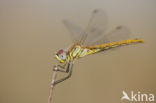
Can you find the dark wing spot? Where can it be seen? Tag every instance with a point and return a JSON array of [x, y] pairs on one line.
[[119, 27], [95, 11]]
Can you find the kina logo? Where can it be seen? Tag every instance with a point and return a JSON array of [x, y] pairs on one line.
[[137, 96]]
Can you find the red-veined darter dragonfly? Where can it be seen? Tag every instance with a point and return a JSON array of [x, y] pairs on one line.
[[91, 40]]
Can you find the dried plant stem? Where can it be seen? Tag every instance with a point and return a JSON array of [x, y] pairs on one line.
[[52, 84]]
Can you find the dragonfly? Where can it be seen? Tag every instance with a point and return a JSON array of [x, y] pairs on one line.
[[91, 40]]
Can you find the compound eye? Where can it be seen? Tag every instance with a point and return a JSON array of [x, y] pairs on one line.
[[63, 56], [60, 52]]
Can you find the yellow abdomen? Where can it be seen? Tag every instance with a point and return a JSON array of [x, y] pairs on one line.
[[79, 51], [115, 44]]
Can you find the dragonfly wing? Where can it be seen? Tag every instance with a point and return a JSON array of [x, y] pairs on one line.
[[76, 31], [95, 31], [95, 28], [120, 33]]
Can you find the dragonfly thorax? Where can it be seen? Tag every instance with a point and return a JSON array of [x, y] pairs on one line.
[[61, 56]]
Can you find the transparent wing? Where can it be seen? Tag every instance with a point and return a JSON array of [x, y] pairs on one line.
[[120, 33], [95, 34], [96, 27], [75, 31]]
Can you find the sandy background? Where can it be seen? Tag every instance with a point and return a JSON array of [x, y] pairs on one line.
[[31, 31]]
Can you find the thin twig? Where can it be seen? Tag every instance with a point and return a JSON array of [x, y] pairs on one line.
[[52, 84]]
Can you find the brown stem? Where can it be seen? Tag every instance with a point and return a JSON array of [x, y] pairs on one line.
[[52, 84]]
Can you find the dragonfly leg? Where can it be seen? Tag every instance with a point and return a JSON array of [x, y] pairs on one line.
[[68, 76], [61, 69]]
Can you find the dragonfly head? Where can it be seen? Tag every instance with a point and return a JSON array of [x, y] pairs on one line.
[[61, 56]]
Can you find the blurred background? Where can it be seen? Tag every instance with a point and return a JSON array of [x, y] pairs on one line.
[[31, 31]]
